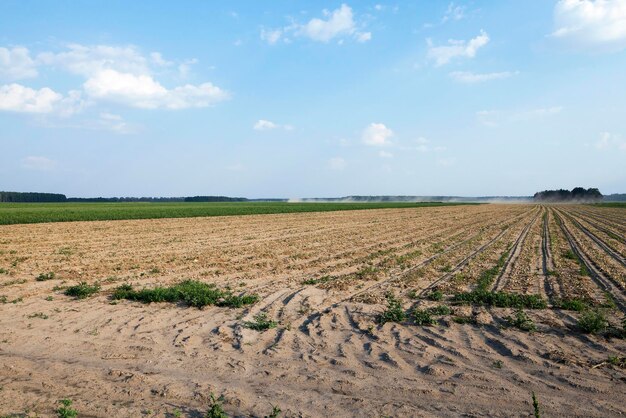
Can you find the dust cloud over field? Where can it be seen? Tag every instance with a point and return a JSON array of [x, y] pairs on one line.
[[324, 278]]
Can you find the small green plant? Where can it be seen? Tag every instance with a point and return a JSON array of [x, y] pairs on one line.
[[617, 361], [82, 290], [463, 320], [536, 410], [66, 410], [313, 281], [522, 321], [261, 323], [569, 254], [573, 304], [275, 412], [440, 310], [435, 295], [45, 276], [394, 311], [215, 408], [592, 322], [38, 315], [497, 364], [500, 299], [4, 271], [49, 298], [423, 317], [191, 292], [3, 299]]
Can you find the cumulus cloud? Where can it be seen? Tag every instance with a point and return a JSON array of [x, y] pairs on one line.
[[385, 154], [142, 91], [609, 141], [453, 12], [470, 78], [265, 125], [16, 64], [18, 98], [336, 24], [377, 134], [38, 163], [337, 163], [442, 55], [591, 23], [271, 36]]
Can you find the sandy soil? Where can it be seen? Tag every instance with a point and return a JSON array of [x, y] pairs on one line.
[[328, 356]]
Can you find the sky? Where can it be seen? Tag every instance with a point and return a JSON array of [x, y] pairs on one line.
[[312, 98]]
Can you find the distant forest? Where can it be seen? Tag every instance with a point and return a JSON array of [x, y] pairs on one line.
[[577, 194], [19, 197]]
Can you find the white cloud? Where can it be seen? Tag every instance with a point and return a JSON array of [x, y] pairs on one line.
[[385, 154], [493, 118], [453, 12], [364, 36], [18, 98], [265, 125], [591, 23], [469, 77], [142, 91], [337, 24], [38, 163], [90, 60], [271, 36], [377, 134], [337, 163], [609, 141], [456, 48], [158, 59], [16, 64]]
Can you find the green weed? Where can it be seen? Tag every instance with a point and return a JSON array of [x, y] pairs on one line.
[[66, 410], [500, 299], [423, 317], [313, 281], [435, 295], [394, 311], [82, 290], [522, 321], [592, 322], [45, 276], [261, 323], [190, 292]]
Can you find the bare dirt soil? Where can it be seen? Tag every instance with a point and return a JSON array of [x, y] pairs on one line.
[[324, 278]]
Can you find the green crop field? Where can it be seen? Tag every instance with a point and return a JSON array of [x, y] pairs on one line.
[[20, 213], [612, 204]]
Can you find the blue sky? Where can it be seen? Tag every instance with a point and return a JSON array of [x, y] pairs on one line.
[[303, 98]]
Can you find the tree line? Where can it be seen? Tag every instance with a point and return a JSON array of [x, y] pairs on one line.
[[32, 197], [577, 194]]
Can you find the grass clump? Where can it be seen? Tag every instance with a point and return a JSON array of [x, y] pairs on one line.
[[435, 295], [82, 290], [38, 315], [522, 321], [66, 410], [394, 311], [440, 310], [275, 412], [45, 276], [592, 322], [500, 299], [4, 271], [323, 279], [573, 304], [261, 323], [215, 408], [536, 411], [191, 292], [423, 317], [3, 299]]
